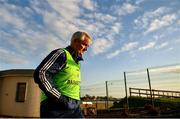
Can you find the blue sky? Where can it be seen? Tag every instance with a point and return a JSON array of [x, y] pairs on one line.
[[127, 34]]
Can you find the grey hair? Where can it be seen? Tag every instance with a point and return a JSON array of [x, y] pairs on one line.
[[80, 36]]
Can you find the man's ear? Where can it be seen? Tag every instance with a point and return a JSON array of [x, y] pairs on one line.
[[77, 41]]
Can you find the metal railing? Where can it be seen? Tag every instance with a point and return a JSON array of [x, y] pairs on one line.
[[155, 93]]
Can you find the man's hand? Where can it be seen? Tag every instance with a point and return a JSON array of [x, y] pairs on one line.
[[68, 102]]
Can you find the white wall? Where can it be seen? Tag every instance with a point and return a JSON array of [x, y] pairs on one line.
[[8, 104]]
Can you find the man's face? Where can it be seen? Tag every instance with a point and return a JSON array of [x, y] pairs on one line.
[[81, 46]]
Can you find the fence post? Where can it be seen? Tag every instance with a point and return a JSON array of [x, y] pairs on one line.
[[152, 102], [139, 91], [107, 95], [126, 90]]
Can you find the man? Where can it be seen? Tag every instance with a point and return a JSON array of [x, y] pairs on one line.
[[58, 76]]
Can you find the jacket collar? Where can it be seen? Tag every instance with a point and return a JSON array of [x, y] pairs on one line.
[[73, 54]]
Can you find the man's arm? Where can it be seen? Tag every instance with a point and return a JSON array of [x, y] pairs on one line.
[[43, 74]]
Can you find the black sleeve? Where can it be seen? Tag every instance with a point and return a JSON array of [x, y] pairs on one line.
[[43, 74]]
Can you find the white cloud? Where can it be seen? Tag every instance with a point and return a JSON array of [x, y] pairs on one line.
[[88, 4], [169, 49], [68, 9], [125, 9], [23, 37], [9, 18], [148, 46], [167, 69], [129, 46], [177, 40], [113, 54], [101, 17], [128, 8], [103, 33], [117, 27], [126, 47], [158, 70], [159, 23], [162, 45], [139, 1], [101, 45], [158, 12], [11, 57], [25, 43], [178, 22], [66, 18], [159, 36], [154, 20], [97, 24], [60, 20]]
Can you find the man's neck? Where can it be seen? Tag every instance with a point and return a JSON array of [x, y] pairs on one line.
[[73, 53]]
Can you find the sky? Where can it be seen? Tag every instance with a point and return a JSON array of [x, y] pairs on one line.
[[127, 34]]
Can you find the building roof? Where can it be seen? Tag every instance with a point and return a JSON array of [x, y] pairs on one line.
[[17, 72]]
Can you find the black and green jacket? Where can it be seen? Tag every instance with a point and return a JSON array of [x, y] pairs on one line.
[[56, 74]]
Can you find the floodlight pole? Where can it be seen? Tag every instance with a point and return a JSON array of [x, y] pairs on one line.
[[152, 102], [126, 90], [107, 95]]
